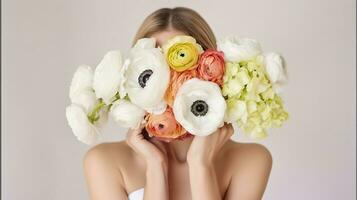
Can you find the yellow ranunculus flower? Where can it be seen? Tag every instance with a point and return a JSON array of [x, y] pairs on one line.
[[182, 52]]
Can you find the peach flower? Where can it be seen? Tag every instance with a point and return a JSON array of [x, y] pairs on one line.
[[185, 136], [211, 66], [180, 138], [164, 126], [176, 80]]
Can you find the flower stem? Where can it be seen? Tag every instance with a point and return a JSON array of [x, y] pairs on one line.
[[93, 115], [117, 97]]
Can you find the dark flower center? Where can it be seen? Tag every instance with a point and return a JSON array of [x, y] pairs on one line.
[[199, 108], [144, 77]]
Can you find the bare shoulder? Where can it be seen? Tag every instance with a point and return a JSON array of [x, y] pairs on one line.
[[114, 163], [108, 153], [248, 155], [102, 169], [108, 159], [248, 169]]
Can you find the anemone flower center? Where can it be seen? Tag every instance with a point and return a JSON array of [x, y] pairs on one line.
[[144, 77], [199, 108]]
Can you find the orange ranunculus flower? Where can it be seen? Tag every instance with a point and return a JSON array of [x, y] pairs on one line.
[[176, 80], [211, 66], [164, 126], [185, 136], [182, 137]]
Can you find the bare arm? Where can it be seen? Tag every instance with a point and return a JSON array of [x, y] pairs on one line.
[[251, 167], [251, 175], [103, 179], [200, 158], [155, 156], [156, 185], [204, 183]]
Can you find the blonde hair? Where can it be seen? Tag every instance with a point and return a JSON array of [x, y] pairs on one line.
[[181, 19]]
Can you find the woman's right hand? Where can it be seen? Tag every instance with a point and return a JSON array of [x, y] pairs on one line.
[[152, 151]]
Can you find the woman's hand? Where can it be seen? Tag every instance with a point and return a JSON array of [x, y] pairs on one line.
[[152, 151], [203, 149]]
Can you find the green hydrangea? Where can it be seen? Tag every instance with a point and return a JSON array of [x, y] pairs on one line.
[[251, 100]]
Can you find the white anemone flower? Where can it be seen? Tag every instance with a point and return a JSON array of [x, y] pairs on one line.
[[126, 114], [237, 49], [77, 119], [274, 66], [147, 77], [108, 76], [199, 107]]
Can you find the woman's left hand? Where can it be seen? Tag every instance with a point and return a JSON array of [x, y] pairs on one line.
[[203, 149]]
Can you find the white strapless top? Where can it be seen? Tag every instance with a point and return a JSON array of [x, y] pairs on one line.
[[137, 194]]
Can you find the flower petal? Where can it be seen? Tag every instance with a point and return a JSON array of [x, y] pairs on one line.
[[108, 76], [81, 127], [82, 80], [85, 98], [126, 114], [145, 43], [276, 70], [237, 49]]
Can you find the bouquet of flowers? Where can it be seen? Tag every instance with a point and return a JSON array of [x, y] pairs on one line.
[[180, 89]]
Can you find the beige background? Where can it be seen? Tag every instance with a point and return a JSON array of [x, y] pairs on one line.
[[44, 41]]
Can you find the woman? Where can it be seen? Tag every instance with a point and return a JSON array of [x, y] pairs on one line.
[[199, 168]]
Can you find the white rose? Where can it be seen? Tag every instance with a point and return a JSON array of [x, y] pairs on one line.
[[276, 70], [108, 76], [81, 127], [199, 107], [126, 114], [147, 78], [237, 49]]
